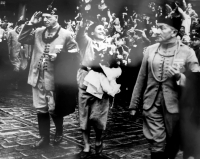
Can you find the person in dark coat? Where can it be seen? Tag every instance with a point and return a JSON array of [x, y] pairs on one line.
[[189, 116], [66, 88], [49, 43], [18, 53]]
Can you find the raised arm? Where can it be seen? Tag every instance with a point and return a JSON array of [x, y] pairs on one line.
[[184, 4], [9, 42], [26, 36], [109, 16], [183, 14], [81, 37]]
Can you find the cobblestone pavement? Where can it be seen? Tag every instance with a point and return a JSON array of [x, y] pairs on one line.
[[123, 138]]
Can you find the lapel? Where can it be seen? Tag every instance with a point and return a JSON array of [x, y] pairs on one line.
[[152, 51]]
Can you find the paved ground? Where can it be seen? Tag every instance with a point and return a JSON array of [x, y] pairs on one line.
[[123, 138]]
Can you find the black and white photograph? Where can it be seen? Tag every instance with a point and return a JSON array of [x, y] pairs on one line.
[[99, 79]]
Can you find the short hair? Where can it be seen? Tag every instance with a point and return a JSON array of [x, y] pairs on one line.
[[92, 28]]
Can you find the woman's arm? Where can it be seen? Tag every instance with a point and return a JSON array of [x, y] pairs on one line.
[[81, 37]]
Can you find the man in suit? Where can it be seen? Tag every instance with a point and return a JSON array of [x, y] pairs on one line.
[[18, 54], [48, 43], [157, 90], [196, 45]]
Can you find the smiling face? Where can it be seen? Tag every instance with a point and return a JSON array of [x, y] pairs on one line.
[[49, 20], [182, 30], [164, 33], [189, 6], [99, 32]]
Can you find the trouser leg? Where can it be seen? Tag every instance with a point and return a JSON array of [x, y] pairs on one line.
[[154, 129], [173, 135], [161, 128]]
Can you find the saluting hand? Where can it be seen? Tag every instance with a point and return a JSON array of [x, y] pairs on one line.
[[36, 18]]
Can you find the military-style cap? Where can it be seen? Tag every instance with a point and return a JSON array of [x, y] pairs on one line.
[[195, 37], [172, 17], [50, 9]]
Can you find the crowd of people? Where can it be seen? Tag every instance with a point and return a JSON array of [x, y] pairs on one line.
[[142, 57]]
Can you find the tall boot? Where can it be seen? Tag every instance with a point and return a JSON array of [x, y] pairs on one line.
[[44, 130], [58, 121], [158, 155]]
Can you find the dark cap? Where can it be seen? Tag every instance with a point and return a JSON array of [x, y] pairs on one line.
[[195, 37], [50, 9], [174, 20]]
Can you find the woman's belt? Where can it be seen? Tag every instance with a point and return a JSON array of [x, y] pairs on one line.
[[85, 68]]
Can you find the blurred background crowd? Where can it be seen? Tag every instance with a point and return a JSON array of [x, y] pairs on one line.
[[130, 28]]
